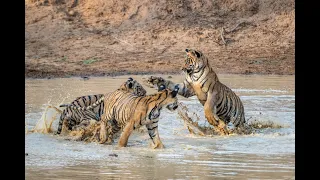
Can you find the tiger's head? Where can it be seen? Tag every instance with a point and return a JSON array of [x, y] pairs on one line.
[[154, 81], [171, 100], [194, 61], [134, 87]]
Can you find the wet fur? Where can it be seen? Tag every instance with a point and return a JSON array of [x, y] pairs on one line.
[[77, 110], [221, 104], [127, 112]]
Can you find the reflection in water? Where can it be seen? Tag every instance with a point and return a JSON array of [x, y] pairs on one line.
[[268, 154]]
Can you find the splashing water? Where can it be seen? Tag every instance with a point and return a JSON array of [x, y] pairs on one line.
[[44, 124]]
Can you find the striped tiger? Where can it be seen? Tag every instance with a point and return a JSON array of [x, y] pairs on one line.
[[128, 112], [76, 117], [221, 104]]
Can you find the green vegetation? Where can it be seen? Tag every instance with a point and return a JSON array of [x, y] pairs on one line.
[[89, 61]]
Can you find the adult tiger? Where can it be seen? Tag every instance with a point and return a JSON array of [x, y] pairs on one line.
[[75, 116], [221, 104], [126, 111]]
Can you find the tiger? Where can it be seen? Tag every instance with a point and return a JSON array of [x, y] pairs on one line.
[[126, 111], [221, 104], [76, 118]]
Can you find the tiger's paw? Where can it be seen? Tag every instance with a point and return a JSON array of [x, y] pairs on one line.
[[222, 127], [120, 145], [109, 142], [223, 130], [153, 81], [102, 139], [157, 146]]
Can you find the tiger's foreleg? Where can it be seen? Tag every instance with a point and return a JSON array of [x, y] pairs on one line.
[[154, 135], [125, 134], [103, 131], [185, 88], [112, 128]]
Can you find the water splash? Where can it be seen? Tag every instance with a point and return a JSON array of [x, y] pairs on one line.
[[194, 128], [44, 124]]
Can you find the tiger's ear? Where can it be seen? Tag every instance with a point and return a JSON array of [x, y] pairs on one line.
[[161, 87], [130, 84], [197, 54], [175, 91]]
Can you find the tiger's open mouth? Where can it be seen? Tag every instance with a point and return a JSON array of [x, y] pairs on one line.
[[187, 70]]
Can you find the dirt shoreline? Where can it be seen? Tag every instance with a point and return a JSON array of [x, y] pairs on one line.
[[49, 75], [66, 38]]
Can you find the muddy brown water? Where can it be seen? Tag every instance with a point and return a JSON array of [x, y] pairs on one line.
[[267, 154]]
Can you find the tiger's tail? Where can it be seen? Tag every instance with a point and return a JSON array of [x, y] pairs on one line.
[[60, 123], [65, 105]]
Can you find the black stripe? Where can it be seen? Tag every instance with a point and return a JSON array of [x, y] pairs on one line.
[[102, 110], [163, 99], [224, 110], [139, 99], [152, 110], [152, 128], [146, 99], [220, 103], [209, 86], [84, 100], [206, 79], [96, 97], [99, 109], [236, 107], [152, 100], [201, 69], [159, 96], [140, 119], [230, 106], [123, 113], [78, 104], [184, 89], [118, 97]]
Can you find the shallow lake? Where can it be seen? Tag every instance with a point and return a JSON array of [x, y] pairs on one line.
[[267, 154]]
